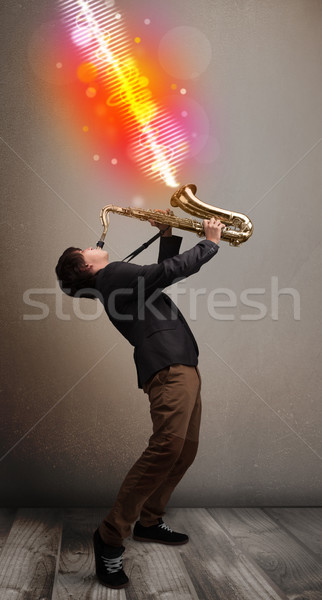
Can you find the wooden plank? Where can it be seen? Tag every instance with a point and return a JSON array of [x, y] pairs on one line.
[[76, 579], [156, 571], [304, 523], [7, 516], [28, 558], [278, 554], [218, 568]]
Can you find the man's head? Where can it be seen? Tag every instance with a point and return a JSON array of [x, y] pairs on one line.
[[76, 269]]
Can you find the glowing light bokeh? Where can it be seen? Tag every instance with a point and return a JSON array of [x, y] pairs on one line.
[[158, 143]]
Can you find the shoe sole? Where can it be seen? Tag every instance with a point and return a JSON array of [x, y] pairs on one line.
[[113, 587], [139, 539]]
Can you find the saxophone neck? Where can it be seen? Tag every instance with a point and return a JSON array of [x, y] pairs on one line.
[[105, 220]]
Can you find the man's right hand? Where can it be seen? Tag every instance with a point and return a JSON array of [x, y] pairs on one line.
[[213, 228]]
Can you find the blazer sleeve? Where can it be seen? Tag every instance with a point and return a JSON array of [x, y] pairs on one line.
[[178, 267]]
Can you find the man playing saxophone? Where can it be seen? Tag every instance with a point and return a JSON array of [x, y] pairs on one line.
[[166, 358]]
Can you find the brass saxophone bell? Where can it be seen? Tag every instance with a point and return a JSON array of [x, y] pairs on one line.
[[238, 227]]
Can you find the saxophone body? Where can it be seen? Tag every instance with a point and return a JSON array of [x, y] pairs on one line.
[[238, 227]]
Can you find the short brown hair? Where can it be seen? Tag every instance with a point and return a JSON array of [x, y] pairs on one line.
[[72, 275]]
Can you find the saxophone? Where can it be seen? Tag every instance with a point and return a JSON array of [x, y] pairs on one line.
[[238, 227]]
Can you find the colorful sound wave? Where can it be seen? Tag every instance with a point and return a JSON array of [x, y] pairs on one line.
[[159, 145]]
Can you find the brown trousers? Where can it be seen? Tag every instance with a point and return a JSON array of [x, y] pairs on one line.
[[175, 407]]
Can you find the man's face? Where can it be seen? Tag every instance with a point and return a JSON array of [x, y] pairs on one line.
[[95, 258]]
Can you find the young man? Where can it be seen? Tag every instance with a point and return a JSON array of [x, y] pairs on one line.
[[166, 358]]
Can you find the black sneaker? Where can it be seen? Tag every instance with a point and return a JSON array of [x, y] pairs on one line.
[[161, 533], [109, 566]]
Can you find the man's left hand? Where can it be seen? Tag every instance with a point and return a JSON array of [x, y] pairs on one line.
[[162, 226]]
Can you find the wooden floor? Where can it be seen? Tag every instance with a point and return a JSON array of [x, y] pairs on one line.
[[233, 554]]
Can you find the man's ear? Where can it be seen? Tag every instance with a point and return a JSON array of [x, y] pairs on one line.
[[86, 267]]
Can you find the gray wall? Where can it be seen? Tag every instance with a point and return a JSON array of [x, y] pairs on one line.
[[74, 420]]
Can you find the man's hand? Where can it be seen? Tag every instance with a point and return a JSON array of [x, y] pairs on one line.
[[162, 226], [213, 228]]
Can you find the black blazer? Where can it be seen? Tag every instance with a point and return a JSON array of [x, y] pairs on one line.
[[133, 299]]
